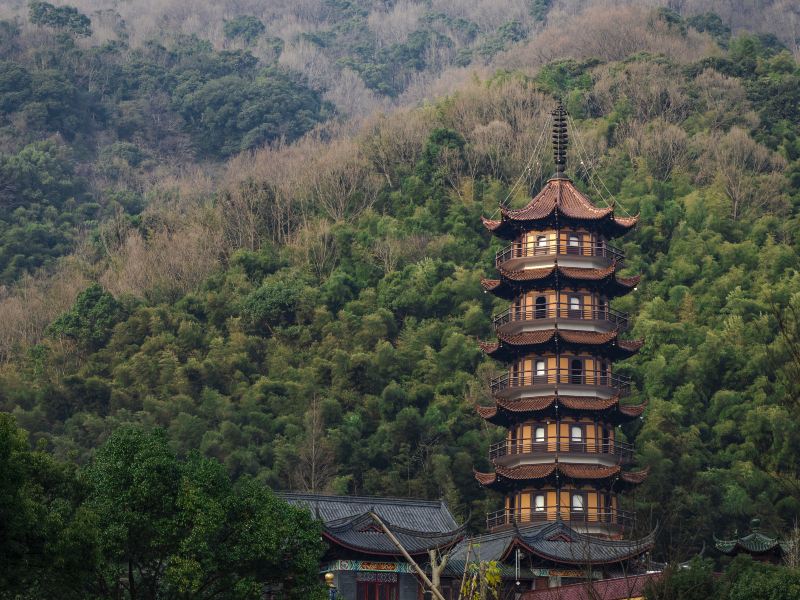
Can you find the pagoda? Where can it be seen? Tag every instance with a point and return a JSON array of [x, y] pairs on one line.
[[560, 399]]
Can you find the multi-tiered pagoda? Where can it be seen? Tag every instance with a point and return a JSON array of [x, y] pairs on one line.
[[560, 399]]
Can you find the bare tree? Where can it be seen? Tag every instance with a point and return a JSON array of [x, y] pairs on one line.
[[315, 465]]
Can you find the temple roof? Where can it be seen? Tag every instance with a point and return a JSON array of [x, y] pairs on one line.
[[502, 476], [607, 278], [418, 524], [505, 411], [606, 342], [753, 543], [559, 202], [553, 541]]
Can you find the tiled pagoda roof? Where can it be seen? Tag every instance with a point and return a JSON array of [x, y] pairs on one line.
[[418, 524], [505, 410], [558, 201], [753, 543], [576, 472], [554, 542], [607, 278], [606, 342]]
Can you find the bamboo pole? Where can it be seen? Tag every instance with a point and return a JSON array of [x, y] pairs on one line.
[[406, 555]]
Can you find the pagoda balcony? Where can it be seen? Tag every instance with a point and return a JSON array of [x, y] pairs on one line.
[[590, 518], [545, 316], [509, 453], [522, 255], [549, 381]]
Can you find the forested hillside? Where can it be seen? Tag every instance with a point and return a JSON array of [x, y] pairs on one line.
[[195, 237]]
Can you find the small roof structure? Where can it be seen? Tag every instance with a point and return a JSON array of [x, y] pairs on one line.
[[418, 524], [551, 542], [755, 543]]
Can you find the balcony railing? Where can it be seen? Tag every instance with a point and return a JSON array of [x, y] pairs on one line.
[[591, 516], [583, 249], [622, 451], [562, 310], [553, 377]]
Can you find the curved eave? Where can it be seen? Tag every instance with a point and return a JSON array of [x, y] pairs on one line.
[[512, 282], [605, 343], [625, 550], [559, 201], [504, 412], [505, 476]]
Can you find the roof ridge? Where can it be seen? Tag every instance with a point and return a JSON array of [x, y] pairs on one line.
[[378, 499]]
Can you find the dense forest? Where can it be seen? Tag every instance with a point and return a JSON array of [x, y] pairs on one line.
[[213, 254]]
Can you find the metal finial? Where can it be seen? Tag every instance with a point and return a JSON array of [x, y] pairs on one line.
[[560, 139]]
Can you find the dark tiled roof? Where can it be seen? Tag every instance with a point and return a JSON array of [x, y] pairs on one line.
[[554, 541], [418, 524], [753, 543], [619, 588], [361, 533], [430, 516]]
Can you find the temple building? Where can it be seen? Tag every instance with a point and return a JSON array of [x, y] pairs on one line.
[[560, 399], [362, 562]]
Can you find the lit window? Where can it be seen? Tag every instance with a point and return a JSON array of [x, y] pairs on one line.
[[538, 434], [538, 503], [577, 433], [577, 502]]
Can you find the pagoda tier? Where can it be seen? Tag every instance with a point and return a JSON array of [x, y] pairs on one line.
[[508, 412], [559, 204], [605, 280], [603, 476], [559, 399], [605, 344]]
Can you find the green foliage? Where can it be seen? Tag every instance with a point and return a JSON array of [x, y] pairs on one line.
[[712, 24], [91, 319], [65, 18], [229, 114], [139, 522], [245, 27], [692, 581]]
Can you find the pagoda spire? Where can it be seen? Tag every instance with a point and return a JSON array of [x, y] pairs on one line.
[[560, 139]]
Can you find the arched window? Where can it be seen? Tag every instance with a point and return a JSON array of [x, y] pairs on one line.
[[576, 371], [541, 308], [577, 502]]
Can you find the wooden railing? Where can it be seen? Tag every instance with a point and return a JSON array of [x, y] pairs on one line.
[[584, 249], [551, 377], [621, 450], [562, 310], [588, 516]]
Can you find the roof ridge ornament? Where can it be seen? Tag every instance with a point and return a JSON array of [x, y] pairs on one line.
[[560, 139]]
